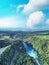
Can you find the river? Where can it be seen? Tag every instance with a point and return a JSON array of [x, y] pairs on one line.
[[31, 52]]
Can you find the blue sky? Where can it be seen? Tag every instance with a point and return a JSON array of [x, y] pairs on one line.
[[24, 14]]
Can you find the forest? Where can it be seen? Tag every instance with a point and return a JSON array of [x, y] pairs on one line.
[[15, 55]]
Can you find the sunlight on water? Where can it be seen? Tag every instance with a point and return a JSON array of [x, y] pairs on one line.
[[32, 53]]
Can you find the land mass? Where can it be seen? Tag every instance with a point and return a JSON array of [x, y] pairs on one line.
[[39, 40]]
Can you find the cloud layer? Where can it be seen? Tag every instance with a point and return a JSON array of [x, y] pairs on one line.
[[36, 11], [35, 5], [34, 19], [47, 22], [9, 22]]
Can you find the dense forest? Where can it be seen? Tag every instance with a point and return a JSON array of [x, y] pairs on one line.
[[15, 55]]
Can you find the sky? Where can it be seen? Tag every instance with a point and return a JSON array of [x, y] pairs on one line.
[[24, 14]]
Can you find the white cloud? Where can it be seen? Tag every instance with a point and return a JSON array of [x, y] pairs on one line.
[[47, 22], [8, 22], [34, 19], [19, 7], [35, 5]]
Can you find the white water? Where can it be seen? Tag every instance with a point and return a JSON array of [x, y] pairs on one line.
[[37, 61], [3, 49], [31, 52]]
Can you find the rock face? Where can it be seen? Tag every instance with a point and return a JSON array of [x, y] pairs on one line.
[[16, 55]]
